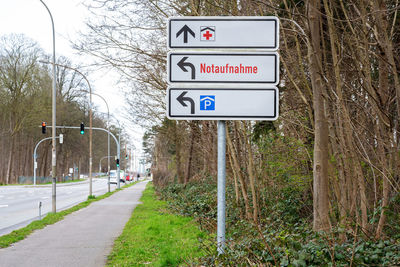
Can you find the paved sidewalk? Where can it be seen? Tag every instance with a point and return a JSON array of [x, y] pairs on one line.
[[83, 238]]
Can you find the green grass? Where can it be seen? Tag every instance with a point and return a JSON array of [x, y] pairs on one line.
[[155, 237], [67, 182], [51, 218]]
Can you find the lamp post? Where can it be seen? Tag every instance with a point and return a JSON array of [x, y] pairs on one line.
[[53, 120], [90, 120], [118, 154], [102, 160], [35, 157], [108, 135], [133, 148]]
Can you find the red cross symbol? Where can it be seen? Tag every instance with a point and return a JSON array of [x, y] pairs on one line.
[[207, 35]]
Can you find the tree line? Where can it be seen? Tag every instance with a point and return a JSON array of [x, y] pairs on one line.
[[25, 92]]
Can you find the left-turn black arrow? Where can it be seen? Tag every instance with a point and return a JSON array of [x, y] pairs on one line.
[[182, 64], [185, 29], [181, 99]]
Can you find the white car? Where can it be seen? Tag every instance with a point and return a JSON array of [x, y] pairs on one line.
[[113, 177]]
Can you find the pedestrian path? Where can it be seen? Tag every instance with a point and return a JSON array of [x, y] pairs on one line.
[[83, 238]]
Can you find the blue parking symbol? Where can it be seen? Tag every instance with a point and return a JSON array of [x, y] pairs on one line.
[[207, 102]]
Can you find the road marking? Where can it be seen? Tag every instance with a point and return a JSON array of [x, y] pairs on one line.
[[3, 206], [45, 197]]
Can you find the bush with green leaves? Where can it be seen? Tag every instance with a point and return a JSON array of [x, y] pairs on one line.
[[284, 228]]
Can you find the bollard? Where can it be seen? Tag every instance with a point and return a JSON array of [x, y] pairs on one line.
[[40, 210]]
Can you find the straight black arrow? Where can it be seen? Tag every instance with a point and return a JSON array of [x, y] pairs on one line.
[[182, 64], [181, 99], [185, 29]]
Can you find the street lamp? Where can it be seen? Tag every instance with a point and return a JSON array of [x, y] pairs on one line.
[[118, 154], [108, 134], [132, 166], [102, 160], [53, 121], [90, 119]]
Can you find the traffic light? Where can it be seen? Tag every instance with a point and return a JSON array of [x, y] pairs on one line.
[[44, 127], [82, 128], [117, 161]]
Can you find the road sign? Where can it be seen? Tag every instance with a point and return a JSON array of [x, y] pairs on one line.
[[223, 68], [240, 103], [222, 104], [223, 32]]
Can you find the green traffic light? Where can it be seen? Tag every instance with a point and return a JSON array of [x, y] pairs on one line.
[[82, 128]]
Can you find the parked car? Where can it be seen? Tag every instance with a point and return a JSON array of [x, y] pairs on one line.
[[113, 177]]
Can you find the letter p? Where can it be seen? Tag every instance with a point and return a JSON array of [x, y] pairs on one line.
[[207, 102]]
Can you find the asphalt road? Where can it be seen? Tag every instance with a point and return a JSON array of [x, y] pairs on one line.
[[83, 238], [19, 205]]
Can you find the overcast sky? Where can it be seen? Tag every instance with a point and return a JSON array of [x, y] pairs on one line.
[[31, 18]]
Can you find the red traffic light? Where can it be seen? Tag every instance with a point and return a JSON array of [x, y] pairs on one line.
[[44, 127]]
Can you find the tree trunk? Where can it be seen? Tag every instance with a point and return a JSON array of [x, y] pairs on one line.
[[347, 129], [178, 154], [10, 160], [190, 157], [236, 165], [235, 182], [384, 131], [250, 171], [320, 198]]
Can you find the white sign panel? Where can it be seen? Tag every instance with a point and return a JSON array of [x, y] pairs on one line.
[[223, 32], [222, 104], [223, 68]]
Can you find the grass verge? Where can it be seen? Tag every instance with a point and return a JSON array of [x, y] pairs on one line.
[[51, 218], [155, 237], [65, 182], [68, 182]]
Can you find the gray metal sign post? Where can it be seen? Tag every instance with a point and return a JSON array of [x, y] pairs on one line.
[[228, 73], [221, 186]]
